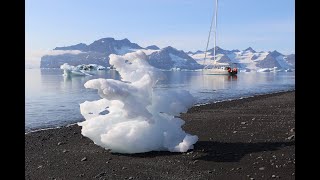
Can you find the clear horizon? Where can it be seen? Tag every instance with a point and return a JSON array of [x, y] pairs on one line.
[[183, 24]]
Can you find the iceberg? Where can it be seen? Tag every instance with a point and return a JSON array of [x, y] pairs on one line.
[[264, 70], [80, 70]]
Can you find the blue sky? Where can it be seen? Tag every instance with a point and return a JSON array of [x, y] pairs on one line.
[[184, 24]]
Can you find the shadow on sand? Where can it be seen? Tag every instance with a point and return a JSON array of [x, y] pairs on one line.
[[219, 151], [233, 152]]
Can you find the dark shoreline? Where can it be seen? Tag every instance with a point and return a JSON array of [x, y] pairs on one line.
[[239, 139], [31, 130]]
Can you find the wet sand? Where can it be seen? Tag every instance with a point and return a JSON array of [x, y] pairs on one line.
[[251, 138]]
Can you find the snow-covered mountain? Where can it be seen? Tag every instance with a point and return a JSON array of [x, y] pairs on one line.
[[104, 45], [166, 58], [98, 53], [153, 47], [247, 59], [95, 53], [171, 58]]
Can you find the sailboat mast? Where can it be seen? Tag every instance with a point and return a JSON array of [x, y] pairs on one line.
[[213, 21], [215, 32]]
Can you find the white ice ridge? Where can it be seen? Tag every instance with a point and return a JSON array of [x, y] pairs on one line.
[[132, 117]]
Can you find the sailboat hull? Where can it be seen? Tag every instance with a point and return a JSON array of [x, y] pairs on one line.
[[218, 72]]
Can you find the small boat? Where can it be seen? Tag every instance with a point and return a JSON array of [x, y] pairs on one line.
[[221, 70], [216, 69]]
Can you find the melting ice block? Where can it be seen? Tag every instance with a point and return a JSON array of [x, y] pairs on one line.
[[132, 117]]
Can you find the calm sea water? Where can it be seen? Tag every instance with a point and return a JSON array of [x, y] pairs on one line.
[[53, 100]]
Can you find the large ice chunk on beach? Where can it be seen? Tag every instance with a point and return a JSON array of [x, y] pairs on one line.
[[132, 117]]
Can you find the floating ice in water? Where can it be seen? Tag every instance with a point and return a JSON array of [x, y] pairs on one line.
[[264, 70], [132, 117], [244, 70], [90, 67], [80, 70]]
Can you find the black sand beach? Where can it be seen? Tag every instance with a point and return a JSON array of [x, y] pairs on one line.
[[251, 138]]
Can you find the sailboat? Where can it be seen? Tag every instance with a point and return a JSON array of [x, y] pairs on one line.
[[216, 69]]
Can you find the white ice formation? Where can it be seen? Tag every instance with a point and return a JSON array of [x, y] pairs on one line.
[[80, 70], [132, 117]]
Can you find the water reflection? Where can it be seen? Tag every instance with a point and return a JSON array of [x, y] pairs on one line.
[[212, 82], [75, 82], [210, 88], [53, 99], [178, 79], [232, 78], [54, 81]]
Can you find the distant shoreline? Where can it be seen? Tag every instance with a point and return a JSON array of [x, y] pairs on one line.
[[239, 139]]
